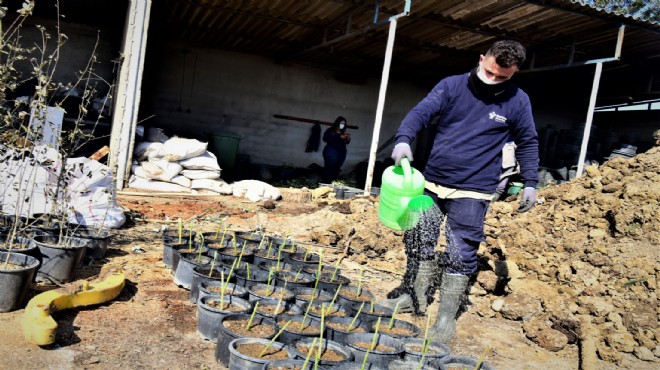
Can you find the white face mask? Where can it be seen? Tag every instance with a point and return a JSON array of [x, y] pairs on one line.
[[341, 126], [482, 76]]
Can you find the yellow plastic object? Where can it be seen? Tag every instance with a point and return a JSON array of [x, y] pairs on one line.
[[39, 327]]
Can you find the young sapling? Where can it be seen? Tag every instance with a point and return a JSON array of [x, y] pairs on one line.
[[263, 352], [249, 324], [215, 256], [389, 326], [357, 314]]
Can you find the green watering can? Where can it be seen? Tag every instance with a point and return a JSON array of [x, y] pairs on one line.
[[401, 196]]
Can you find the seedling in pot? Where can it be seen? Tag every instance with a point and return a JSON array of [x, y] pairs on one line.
[[279, 257], [350, 326], [359, 287], [180, 230], [240, 255], [332, 303], [309, 305], [373, 344], [190, 239], [318, 354], [425, 342], [279, 301], [270, 246], [334, 273], [199, 252], [318, 272], [270, 277], [226, 283], [249, 324], [309, 354], [263, 352], [215, 256], [391, 324]]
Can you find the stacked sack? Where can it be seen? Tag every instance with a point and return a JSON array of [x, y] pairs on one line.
[[176, 165]]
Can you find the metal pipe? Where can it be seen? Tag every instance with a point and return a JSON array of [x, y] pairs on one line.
[[381, 96], [615, 58], [590, 117], [380, 107]]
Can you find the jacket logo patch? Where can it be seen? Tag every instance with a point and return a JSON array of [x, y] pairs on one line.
[[496, 117]]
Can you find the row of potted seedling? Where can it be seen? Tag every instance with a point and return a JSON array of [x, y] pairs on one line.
[[276, 305]]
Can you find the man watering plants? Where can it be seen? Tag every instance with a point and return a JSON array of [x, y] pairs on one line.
[[476, 111]]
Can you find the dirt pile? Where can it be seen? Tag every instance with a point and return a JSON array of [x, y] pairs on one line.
[[588, 251]]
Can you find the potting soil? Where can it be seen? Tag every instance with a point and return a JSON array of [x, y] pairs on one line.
[[327, 354], [255, 331], [253, 350]]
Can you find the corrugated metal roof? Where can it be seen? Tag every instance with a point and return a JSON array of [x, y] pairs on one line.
[[440, 36]]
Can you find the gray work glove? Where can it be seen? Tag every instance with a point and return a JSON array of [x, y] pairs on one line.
[[528, 199], [401, 150]]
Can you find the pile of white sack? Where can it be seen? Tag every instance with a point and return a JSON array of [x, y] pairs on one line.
[[186, 166], [29, 185]]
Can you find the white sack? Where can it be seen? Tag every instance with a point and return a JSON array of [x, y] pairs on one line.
[[159, 170], [146, 150], [97, 208], [86, 174], [145, 184], [218, 186], [255, 190], [200, 174], [207, 161], [182, 180], [177, 149]]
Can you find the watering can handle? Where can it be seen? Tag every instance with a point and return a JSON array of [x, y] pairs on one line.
[[407, 171]]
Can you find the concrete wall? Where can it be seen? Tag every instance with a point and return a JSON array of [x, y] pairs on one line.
[[195, 91]]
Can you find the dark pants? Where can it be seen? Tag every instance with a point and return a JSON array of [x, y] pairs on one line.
[[464, 231], [333, 160]]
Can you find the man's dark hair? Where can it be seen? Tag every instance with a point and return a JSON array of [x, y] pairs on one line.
[[507, 53]]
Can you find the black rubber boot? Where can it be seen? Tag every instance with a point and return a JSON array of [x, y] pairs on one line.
[[452, 289], [415, 298]]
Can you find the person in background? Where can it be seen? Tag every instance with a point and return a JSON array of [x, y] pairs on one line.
[[656, 136], [477, 114], [334, 153]]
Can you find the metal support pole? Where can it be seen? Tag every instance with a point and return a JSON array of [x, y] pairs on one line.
[[381, 104], [590, 117]]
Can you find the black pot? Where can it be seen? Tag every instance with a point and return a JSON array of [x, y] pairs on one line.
[[401, 324], [20, 245], [168, 253], [277, 267], [304, 295], [369, 312], [201, 274], [348, 296], [98, 241], [256, 276], [172, 236], [337, 327], [59, 258], [209, 314], [305, 260], [184, 248], [378, 357], [213, 288], [269, 308], [293, 280], [184, 272], [326, 345], [331, 283], [335, 310], [220, 240], [226, 335], [255, 292], [14, 283], [293, 331], [435, 350], [239, 361]]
